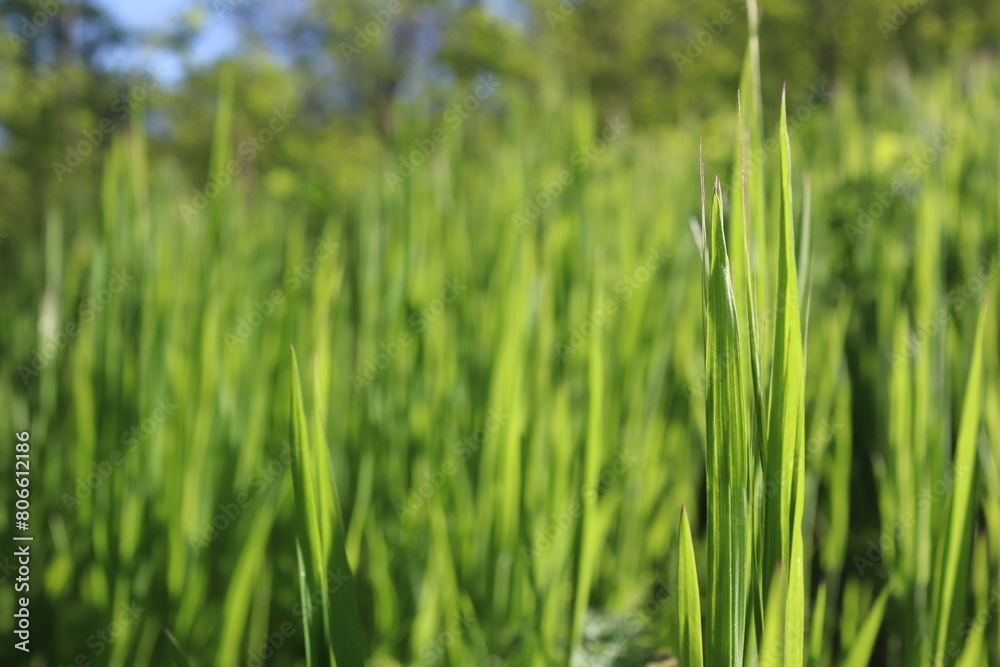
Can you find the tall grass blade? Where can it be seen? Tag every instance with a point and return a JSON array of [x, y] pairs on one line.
[[861, 649], [344, 629], [330, 617], [955, 545], [587, 529], [783, 436], [688, 599], [772, 643], [727, 456]]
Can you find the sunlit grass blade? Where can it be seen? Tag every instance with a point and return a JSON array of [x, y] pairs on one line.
[[783, 455], [330, 617], [772, 643], [345, 625], [308, 538], [817, 624], [727, 457], [786, 381], [688, 599], [974, 653], [955, 545], [795, 604], [861, 648]]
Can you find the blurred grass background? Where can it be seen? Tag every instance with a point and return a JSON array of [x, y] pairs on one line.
[[501, 301]]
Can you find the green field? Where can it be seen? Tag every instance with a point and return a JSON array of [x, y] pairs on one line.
[[525, 342]]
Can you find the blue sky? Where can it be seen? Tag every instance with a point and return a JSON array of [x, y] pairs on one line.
[[216, 36]]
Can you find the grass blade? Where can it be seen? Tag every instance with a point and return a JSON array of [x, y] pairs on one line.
[[728, 455], [330, 617], [308, 538], [955, 546], [689, 598], [861, 649], [772, 644]]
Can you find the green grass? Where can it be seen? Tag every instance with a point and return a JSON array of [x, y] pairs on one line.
[[793, 384], [330, 619]]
